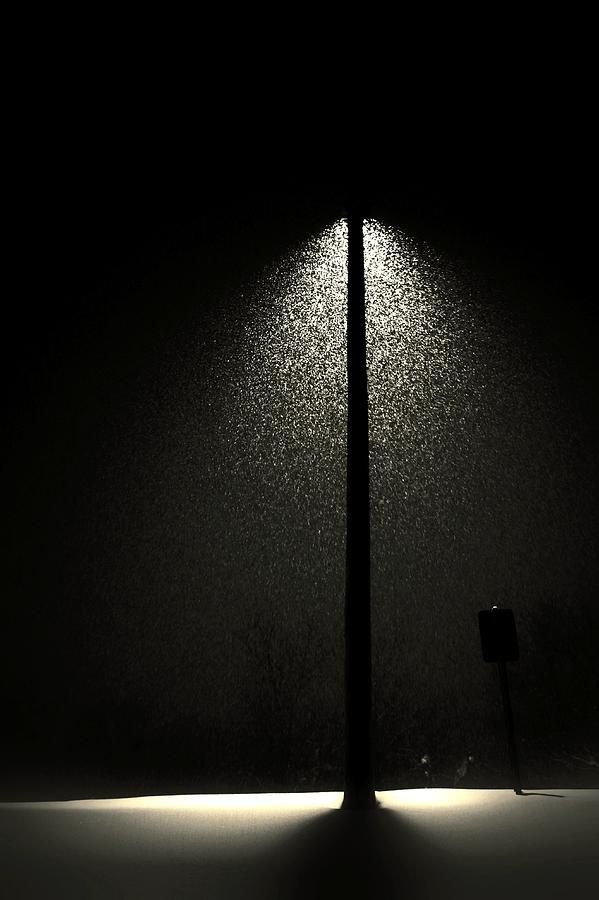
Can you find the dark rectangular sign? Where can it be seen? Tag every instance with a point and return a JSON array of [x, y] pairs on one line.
[[498, 636]]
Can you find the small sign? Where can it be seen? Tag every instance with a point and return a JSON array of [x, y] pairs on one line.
[[498, 637]]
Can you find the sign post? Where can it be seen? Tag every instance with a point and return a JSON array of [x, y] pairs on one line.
[[499, 643]]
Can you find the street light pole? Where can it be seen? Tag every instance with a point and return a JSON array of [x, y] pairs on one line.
[[359, 786]]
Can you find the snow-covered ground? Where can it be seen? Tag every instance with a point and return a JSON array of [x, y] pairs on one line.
[[436, 843]]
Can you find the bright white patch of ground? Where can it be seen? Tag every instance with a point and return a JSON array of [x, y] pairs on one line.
[[436, 843]]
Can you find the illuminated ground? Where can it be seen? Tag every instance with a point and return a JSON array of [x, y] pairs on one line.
[[419, 843]]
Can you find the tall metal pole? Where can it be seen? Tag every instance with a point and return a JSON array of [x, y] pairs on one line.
[[359, 787]]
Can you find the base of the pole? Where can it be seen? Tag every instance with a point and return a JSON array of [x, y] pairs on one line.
[[359, 799]]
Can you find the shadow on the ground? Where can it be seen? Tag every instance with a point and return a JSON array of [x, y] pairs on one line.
[[540, 794], [350, 854]]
